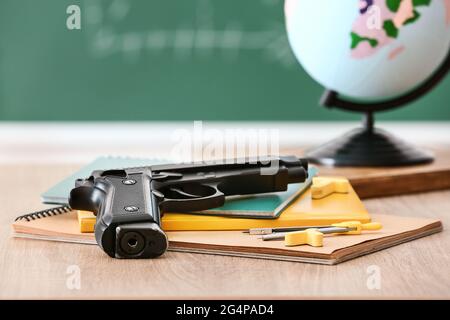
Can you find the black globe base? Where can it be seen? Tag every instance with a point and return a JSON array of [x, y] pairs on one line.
[[368, 147]]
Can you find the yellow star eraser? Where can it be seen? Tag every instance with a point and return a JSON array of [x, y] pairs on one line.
[[324, 186], [312, 237]]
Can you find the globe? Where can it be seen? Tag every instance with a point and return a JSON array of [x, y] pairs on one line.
[[369, 48], [371, 56]]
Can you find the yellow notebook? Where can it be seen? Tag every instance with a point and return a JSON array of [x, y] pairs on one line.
[[302, 212]]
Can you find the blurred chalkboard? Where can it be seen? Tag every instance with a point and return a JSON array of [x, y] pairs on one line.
[[161, 60]]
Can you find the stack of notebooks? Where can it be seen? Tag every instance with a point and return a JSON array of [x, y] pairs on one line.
[[219, 231]]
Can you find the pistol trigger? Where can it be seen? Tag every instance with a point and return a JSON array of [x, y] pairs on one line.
[[158, 194], [183, 193]]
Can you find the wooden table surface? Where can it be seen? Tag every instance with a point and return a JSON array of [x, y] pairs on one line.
[[38, 269]]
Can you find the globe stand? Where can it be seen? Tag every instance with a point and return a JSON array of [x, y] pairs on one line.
[[370, 146]]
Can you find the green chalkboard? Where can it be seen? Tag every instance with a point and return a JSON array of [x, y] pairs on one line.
[[162, 60]]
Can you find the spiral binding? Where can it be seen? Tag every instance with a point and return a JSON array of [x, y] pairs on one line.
[[44, 213]]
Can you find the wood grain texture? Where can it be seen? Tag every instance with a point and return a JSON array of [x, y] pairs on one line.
[[381, 182], [37, 269]]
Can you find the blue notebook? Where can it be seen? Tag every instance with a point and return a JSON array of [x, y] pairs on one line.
[[267, 206]]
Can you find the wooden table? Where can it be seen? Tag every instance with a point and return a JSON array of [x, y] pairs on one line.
[[38, 269]]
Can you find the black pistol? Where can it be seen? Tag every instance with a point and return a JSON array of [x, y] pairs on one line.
[[129, 203]]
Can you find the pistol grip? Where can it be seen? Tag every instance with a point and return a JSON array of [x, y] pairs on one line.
[[125, 208]]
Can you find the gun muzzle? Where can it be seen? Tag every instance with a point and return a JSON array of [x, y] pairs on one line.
[[297, 168], [297, 175]]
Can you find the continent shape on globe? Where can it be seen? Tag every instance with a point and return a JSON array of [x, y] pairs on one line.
[[369, 49], [381, 21]]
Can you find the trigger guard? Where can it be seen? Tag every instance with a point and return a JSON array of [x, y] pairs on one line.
[[214, 200]]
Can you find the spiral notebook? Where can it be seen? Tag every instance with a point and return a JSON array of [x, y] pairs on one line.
[[62, 225]]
